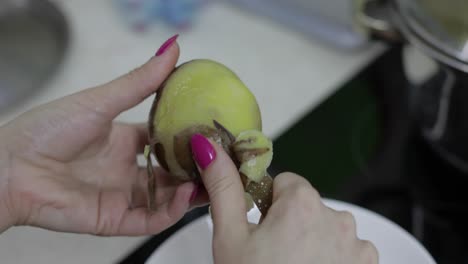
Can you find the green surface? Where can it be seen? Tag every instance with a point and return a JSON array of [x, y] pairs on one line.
[[331, 142]]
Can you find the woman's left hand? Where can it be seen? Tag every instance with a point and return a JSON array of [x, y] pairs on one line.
[[67, 166]]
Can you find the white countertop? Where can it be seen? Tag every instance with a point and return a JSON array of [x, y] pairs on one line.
[[288, 73]]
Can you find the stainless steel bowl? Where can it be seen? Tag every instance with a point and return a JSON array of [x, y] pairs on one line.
[[33, 41]]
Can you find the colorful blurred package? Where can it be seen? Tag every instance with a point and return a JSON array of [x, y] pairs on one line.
[[140, 14]]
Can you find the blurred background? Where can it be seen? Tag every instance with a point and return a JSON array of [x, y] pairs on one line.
[[363, 98]]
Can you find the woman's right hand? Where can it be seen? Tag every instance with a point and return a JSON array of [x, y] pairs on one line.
[[298, 228]]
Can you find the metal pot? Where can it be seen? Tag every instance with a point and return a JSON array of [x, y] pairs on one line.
[[440, 30]]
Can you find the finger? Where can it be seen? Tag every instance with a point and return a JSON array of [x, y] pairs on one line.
[[136, 133], [368, 252], [142, 136], [252, 227], [224, 187], [166, 187], [201, 197], [165, 191], [132, 88], [346, 222], [116, 218], [140, 221], [285, 182]]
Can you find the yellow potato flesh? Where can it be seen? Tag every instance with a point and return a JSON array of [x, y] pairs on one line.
[[197, 93]]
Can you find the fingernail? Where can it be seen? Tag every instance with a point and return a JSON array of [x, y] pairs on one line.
[[194, 193], [202, 150], [166, 45]]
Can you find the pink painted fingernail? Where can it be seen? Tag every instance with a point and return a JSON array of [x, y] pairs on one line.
[[194, 193], [166, 45], [202, 150]]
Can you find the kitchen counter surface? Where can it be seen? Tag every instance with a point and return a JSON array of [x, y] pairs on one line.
[[288, 73]]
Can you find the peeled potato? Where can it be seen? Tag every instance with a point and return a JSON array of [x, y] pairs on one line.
[[205, 97]]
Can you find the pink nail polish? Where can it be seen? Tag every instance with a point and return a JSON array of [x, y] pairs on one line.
[[166, 45], [194, 193], [202, 150]]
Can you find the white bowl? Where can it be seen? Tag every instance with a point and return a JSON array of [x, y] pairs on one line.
[[192, 243]]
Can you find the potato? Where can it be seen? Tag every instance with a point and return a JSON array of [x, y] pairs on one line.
[[204, 96]]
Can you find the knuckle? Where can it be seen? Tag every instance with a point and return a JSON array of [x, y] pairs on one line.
[[347, 223], [304, 199], [285, 178], [281, 182], [301, 193], [297, 193], [290, 177], [138, 77], [135, 73], [286, 174], [294, 181], [305, 193], [217, 184], [369, 252]]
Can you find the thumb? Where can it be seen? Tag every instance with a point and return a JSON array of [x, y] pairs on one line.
[[224, 186], [132, 88]]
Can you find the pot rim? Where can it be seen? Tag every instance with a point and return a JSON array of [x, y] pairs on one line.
[[424, 41]]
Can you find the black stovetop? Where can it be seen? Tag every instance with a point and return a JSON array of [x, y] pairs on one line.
[[385, 164]]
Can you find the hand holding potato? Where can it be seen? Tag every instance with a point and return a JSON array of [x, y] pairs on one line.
[[68, 166]]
